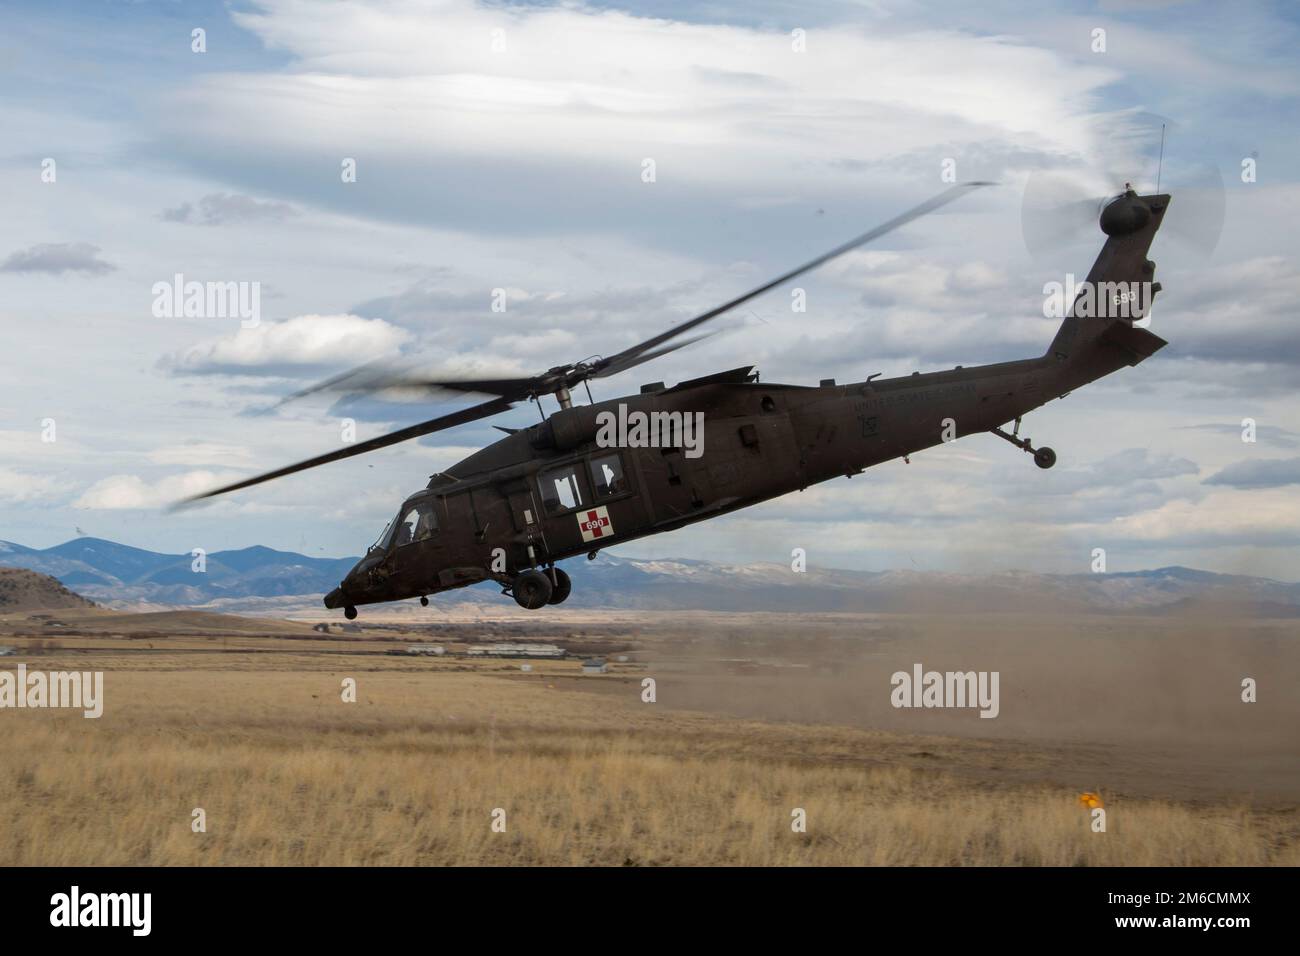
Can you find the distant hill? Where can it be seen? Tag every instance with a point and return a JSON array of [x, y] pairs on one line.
[[23, 590], [117, 575], [108, 571]]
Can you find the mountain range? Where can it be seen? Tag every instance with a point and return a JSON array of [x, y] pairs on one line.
[[113, 573], [119, 575]]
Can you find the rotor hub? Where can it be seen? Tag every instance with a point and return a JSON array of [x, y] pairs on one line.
[[1125, 214]]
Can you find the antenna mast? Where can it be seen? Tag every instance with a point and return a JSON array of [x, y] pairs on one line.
[[1161, 164]]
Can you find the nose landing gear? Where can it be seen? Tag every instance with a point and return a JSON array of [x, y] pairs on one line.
[[1044, 457]]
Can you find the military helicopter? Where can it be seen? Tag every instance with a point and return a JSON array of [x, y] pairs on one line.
[[580, 481]]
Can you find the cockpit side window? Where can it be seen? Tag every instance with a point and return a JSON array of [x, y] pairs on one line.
[[418, 523], [561, 489]]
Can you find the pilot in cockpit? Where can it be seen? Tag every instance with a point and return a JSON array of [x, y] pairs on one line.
[[403, 535]]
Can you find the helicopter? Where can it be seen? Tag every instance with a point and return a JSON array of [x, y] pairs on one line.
[[587, 477]]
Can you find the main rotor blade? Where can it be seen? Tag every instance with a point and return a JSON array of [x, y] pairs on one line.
[[513, 388], [473, 413], [359, 378], [622, 359], [378, 377], [607, 369]]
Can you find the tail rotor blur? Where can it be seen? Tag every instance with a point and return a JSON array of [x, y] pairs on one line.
[[1060, 207]]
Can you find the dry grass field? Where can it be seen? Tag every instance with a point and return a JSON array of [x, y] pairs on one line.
[[412, 772]]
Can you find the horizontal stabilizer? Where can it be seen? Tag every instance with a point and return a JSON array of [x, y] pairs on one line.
[[1138, 343]]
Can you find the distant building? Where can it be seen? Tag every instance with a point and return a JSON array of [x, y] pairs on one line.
[[595, 665], [7, 651], [516, 650], [322, 628], [433, 650]]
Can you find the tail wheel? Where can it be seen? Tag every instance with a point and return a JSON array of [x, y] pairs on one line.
[[1044, 457], [350, 613], [561, 588], [532, 589]]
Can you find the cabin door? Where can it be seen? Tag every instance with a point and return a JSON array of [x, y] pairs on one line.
[[529, 546]]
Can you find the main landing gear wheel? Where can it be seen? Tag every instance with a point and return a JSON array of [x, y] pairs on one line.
[[1044, 457], [350, 613], [561, 588], [532, 589]]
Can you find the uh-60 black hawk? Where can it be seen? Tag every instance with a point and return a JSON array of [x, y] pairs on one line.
[[562, 488]]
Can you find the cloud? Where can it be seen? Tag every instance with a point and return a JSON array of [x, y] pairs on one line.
[[1136, 464], [537, 329], [1266, 473], [577, 82], [1225, 519], [219, 209], [297, 344], [1240, 312], [727, 113], [18, 487], [1266, 434], [959, 486], [132, 493], [57, 258]]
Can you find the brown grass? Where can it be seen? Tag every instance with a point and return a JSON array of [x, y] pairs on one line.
[[410, 774]]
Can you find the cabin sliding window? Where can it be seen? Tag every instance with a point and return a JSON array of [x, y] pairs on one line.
[[607, 476], [418, 522], [561, 489]]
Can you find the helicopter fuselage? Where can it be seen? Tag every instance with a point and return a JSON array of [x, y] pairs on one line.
[[542, 494], [571, 485]]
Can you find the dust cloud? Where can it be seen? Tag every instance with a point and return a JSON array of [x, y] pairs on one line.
[[1147, 703]]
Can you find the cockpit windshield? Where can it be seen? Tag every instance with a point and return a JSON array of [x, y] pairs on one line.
[[417, 521], [382, 540]]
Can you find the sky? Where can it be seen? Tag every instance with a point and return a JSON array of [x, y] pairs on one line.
[[504, 146]]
